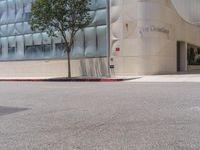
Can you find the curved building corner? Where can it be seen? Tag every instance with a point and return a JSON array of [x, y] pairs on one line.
[[150, 37]]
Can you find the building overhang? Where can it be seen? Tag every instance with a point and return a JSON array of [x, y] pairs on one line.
[[189, 10]]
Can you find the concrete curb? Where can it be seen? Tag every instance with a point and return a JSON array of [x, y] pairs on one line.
[[69, 80]]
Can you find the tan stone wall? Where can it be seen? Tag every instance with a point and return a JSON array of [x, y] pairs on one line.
[[53, 68], [147, 32]]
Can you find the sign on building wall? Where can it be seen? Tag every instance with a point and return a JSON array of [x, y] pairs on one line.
[[153, 29]]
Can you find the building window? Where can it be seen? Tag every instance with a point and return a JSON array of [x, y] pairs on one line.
[[27, 16], [29, 51], [47, 50], [1, 52], [38, 51], [11, 52], [60, 50]]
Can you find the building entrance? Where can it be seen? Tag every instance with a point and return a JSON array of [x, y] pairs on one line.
[[193, 57]]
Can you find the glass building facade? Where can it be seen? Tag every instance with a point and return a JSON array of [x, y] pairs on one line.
[[18, 42]]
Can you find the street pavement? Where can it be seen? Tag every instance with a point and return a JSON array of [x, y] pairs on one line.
[[99, 116]]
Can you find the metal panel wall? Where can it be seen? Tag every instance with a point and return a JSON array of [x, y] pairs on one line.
[[17, 41]]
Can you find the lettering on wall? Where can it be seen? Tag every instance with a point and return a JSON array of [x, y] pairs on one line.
[[153, 28]]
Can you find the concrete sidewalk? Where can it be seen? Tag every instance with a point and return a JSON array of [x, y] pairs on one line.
[[149, 78], [73, 79], [169, 78]]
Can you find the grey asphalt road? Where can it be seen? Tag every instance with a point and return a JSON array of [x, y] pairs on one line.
[[99, 116]]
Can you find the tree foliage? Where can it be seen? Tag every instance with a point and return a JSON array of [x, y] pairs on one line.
[[60, 16]]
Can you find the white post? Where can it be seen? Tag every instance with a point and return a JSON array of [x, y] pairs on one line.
[[108, 37], [183, 57]]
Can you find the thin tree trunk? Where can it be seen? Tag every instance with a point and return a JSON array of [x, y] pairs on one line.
[[69, 65]]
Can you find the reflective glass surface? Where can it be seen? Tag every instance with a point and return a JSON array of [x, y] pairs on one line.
[[17, 41]]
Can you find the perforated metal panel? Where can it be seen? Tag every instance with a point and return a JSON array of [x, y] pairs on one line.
[[15, 33]]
